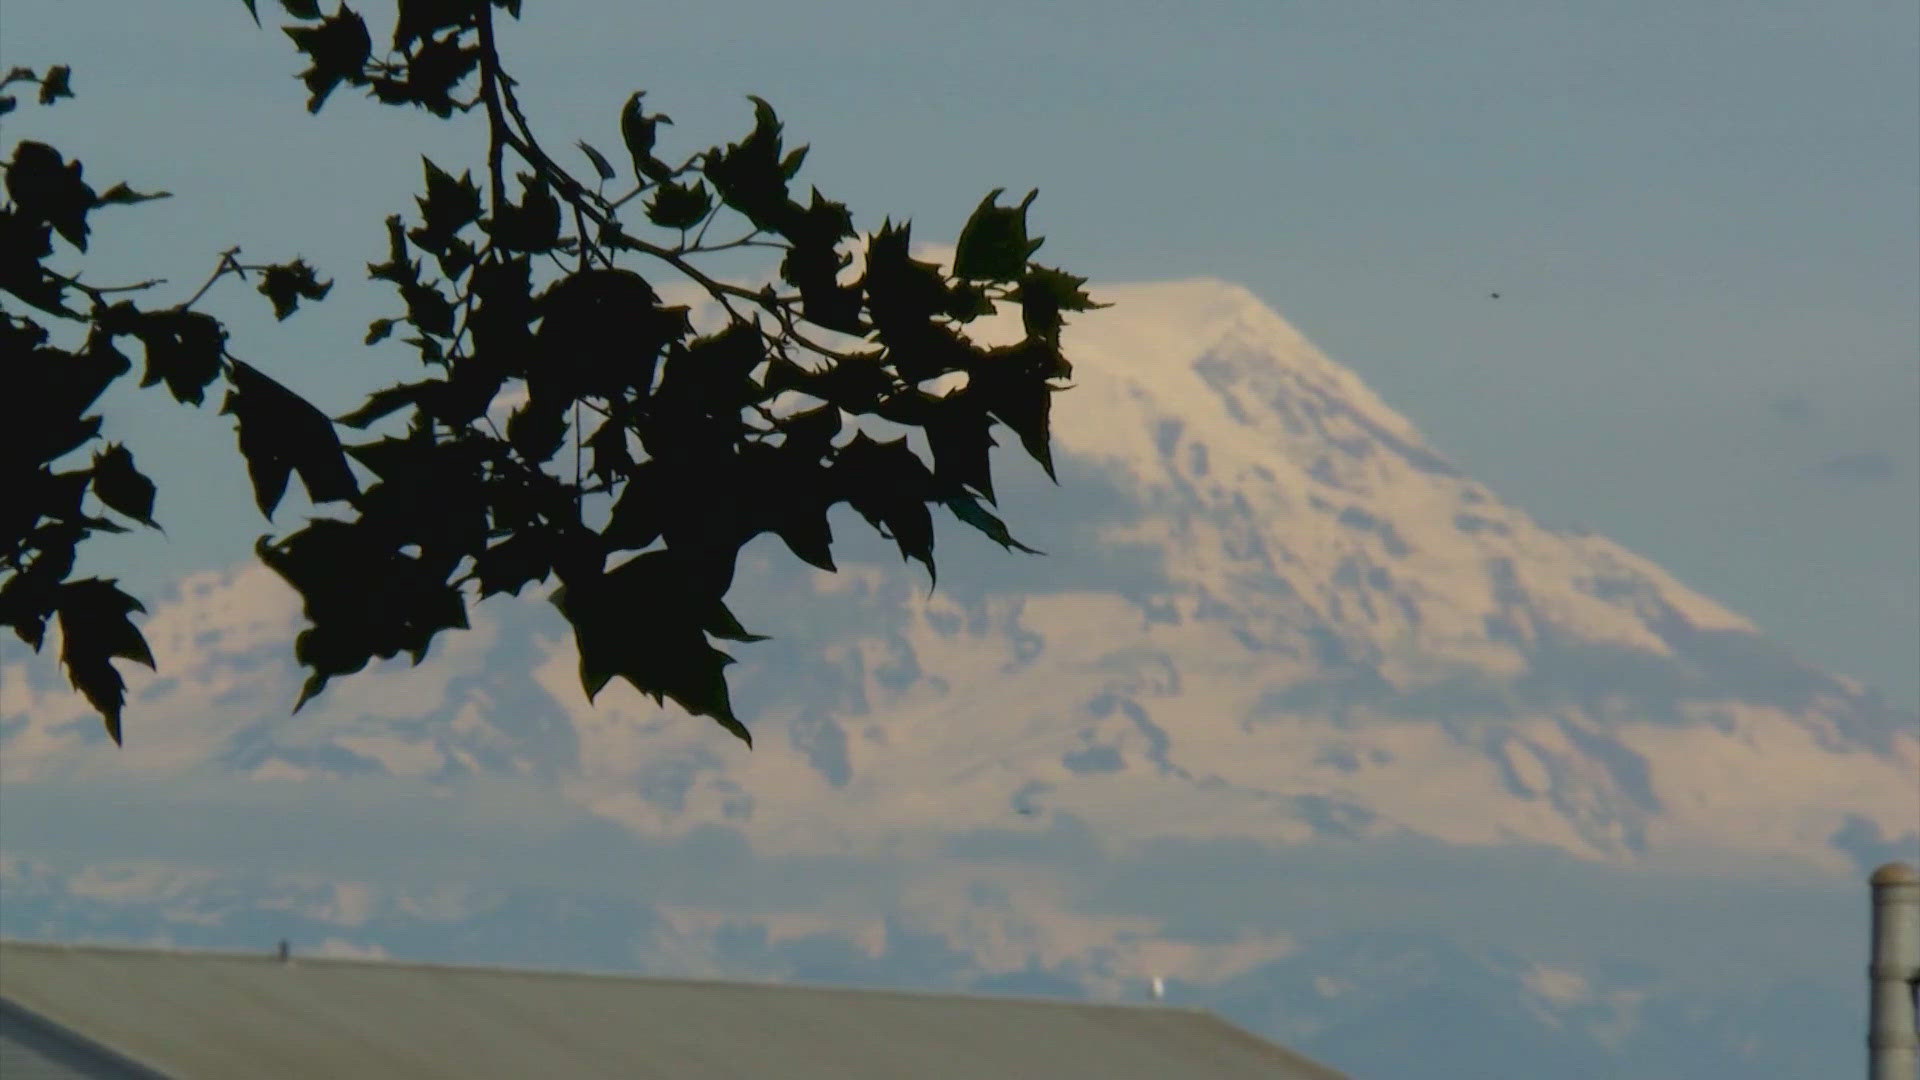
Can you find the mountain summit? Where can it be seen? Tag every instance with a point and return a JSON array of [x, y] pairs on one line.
[[1271, 611], [1296, 722]]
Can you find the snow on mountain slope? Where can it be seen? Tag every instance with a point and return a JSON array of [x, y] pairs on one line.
[[1289, 619]]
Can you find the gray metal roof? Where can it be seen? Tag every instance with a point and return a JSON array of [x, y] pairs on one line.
[[209, 1016], [33, 1049]]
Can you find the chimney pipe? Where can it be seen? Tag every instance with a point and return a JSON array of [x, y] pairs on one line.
[[1893, 1046]]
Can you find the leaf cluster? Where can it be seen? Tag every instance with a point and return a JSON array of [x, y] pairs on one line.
[[529, 284], [63, 481]]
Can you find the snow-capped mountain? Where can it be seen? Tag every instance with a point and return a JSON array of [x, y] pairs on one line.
[[1272, 616]]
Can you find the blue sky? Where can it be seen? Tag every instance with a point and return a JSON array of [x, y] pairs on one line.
[[1703, 220]]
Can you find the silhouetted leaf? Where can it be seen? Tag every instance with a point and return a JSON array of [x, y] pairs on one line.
[[280, 433], [609, 449], [793, 492], [184, 348], [531, 225], [601, 332], [363, 596], [645, 622], [45, 187], [47, 394], [24, 244], [748, 175], [383, 403], [960, 436], [286, 284], [993, 245], [55, 84], [421, 19], [121, 486], [969, 510], [398, 269], [679, 206], [814, 262], [601, 165], [1043, 294], [429, 309], [889, 485], [377, 331], [856, 386], [122, 194], [712, 375], [1023, 403], [450, 205], [722, 624], [299, 9], [436, 67], [903, 293], [95, 629], [639, 513], [338, 48], [810, 432], [638, 130], [538, 429], [508, 566]]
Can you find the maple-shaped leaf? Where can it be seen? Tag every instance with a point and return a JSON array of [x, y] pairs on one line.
[[793, 492], [1023, 401], [646, 622], [960, 434], [363, 596], [680, 206], [286, 284], [338, 48], [901, 291], [889, 485], [449, 206], [437, 67], [749, 175], [280, 434], [94, 630], [1044, 293]]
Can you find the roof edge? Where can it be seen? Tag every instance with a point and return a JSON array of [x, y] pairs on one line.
[[69, 1039], [266, 957]]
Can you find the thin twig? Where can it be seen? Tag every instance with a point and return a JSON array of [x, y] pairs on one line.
[[97, 291], [575, 193], [227, 265]]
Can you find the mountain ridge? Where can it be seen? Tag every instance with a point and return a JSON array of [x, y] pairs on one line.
[[1288, 610], [1297, 716]]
